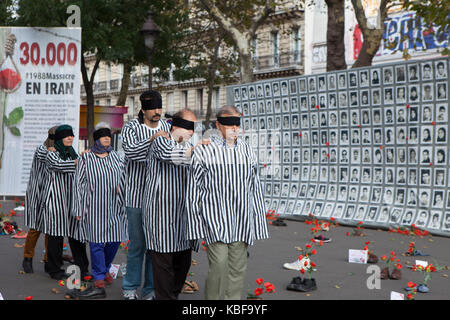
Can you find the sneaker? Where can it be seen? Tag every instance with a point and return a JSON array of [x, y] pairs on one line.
[[297, 265], [321, 238], [130, 295]]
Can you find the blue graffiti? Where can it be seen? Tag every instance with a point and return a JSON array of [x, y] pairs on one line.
[[410, 32]]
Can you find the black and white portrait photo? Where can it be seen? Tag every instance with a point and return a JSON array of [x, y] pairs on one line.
[[276, 89], [292, 87], [284, 88], [388, 95], [441, 69], [435, 220], [388, 75], [342, 81], [375, 77], [376, 97], [302, 85], [352, 80], [312, 84], [422, 218], [413, 72], [331, 81], [427, 71], [267, 90], [322, 83], [364, 78], [400, 74], [425, 176], [414, 92], [441, 91], [427, 92]]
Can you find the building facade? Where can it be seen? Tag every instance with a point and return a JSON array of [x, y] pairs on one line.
[[279, 52]]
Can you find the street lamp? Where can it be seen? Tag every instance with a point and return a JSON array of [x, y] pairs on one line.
[[150, 31]]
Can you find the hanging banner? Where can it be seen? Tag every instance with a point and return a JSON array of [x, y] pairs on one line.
[[39, 88], [367, 144]]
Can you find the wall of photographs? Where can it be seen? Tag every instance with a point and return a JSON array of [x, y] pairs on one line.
[[367, 144]]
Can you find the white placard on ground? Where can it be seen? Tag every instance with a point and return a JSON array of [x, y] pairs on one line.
[[397, 296], [421, 263], [114, 270], [357, 256]]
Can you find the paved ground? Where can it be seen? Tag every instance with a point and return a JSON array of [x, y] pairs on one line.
[[336, 278]]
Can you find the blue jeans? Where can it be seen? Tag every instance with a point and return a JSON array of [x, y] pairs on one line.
[[137, 251], [102, 255]]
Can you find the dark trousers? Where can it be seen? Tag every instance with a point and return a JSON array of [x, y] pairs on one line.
[[169, 273], [55, 253]]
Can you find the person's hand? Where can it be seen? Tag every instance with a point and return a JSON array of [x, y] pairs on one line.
[[51, 149], [87, 150], [203, 142], [76, 161], [158, 134], [78, 218]]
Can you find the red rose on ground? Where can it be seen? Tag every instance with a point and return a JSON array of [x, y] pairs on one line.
[[258, 291], [259, 280]]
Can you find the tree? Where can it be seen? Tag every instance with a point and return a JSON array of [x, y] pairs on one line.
[[241, 21], [110, 31], [372, 36], [434, 13], [335, 35]]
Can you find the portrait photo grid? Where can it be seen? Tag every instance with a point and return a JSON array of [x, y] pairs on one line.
[[367, 144]]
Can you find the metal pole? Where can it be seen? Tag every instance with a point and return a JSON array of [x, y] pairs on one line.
[[150, 79]]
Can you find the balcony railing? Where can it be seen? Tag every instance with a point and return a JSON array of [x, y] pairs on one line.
[[282, 60]]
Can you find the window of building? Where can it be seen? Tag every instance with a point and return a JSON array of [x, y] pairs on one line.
[[184, 99], [199, 102], [275, 48], [170, 107], [296, 44]]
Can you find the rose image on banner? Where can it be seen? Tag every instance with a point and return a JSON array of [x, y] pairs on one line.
[[10, 81]]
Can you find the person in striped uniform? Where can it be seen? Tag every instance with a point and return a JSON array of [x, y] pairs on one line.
[[55, 219], [225, 205], [33, 197], [163, 209], [136, 139], [97, 206]]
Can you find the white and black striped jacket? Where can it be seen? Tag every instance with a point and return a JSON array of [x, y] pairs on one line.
[[136, 143], [57, 197], [224, 194], [164, 206], [96, 199], [36, 183]]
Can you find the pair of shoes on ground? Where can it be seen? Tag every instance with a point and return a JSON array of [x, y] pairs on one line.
[[95, 291], [372, 258], [279, 223], [59, 275], [302, 285], [189, 287], [395, 275], [420, 288], [321, 238]]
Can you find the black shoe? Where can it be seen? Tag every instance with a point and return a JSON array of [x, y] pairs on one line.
[[72, 294], [27, 265], [92, 292], [295, 284], [61, 275], [279, 223], [308, 285]]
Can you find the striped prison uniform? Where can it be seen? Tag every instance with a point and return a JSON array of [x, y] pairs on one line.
[[136, 143], [36, 184], [164, 204], [224, 194], [55, 219], [96, 199]]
